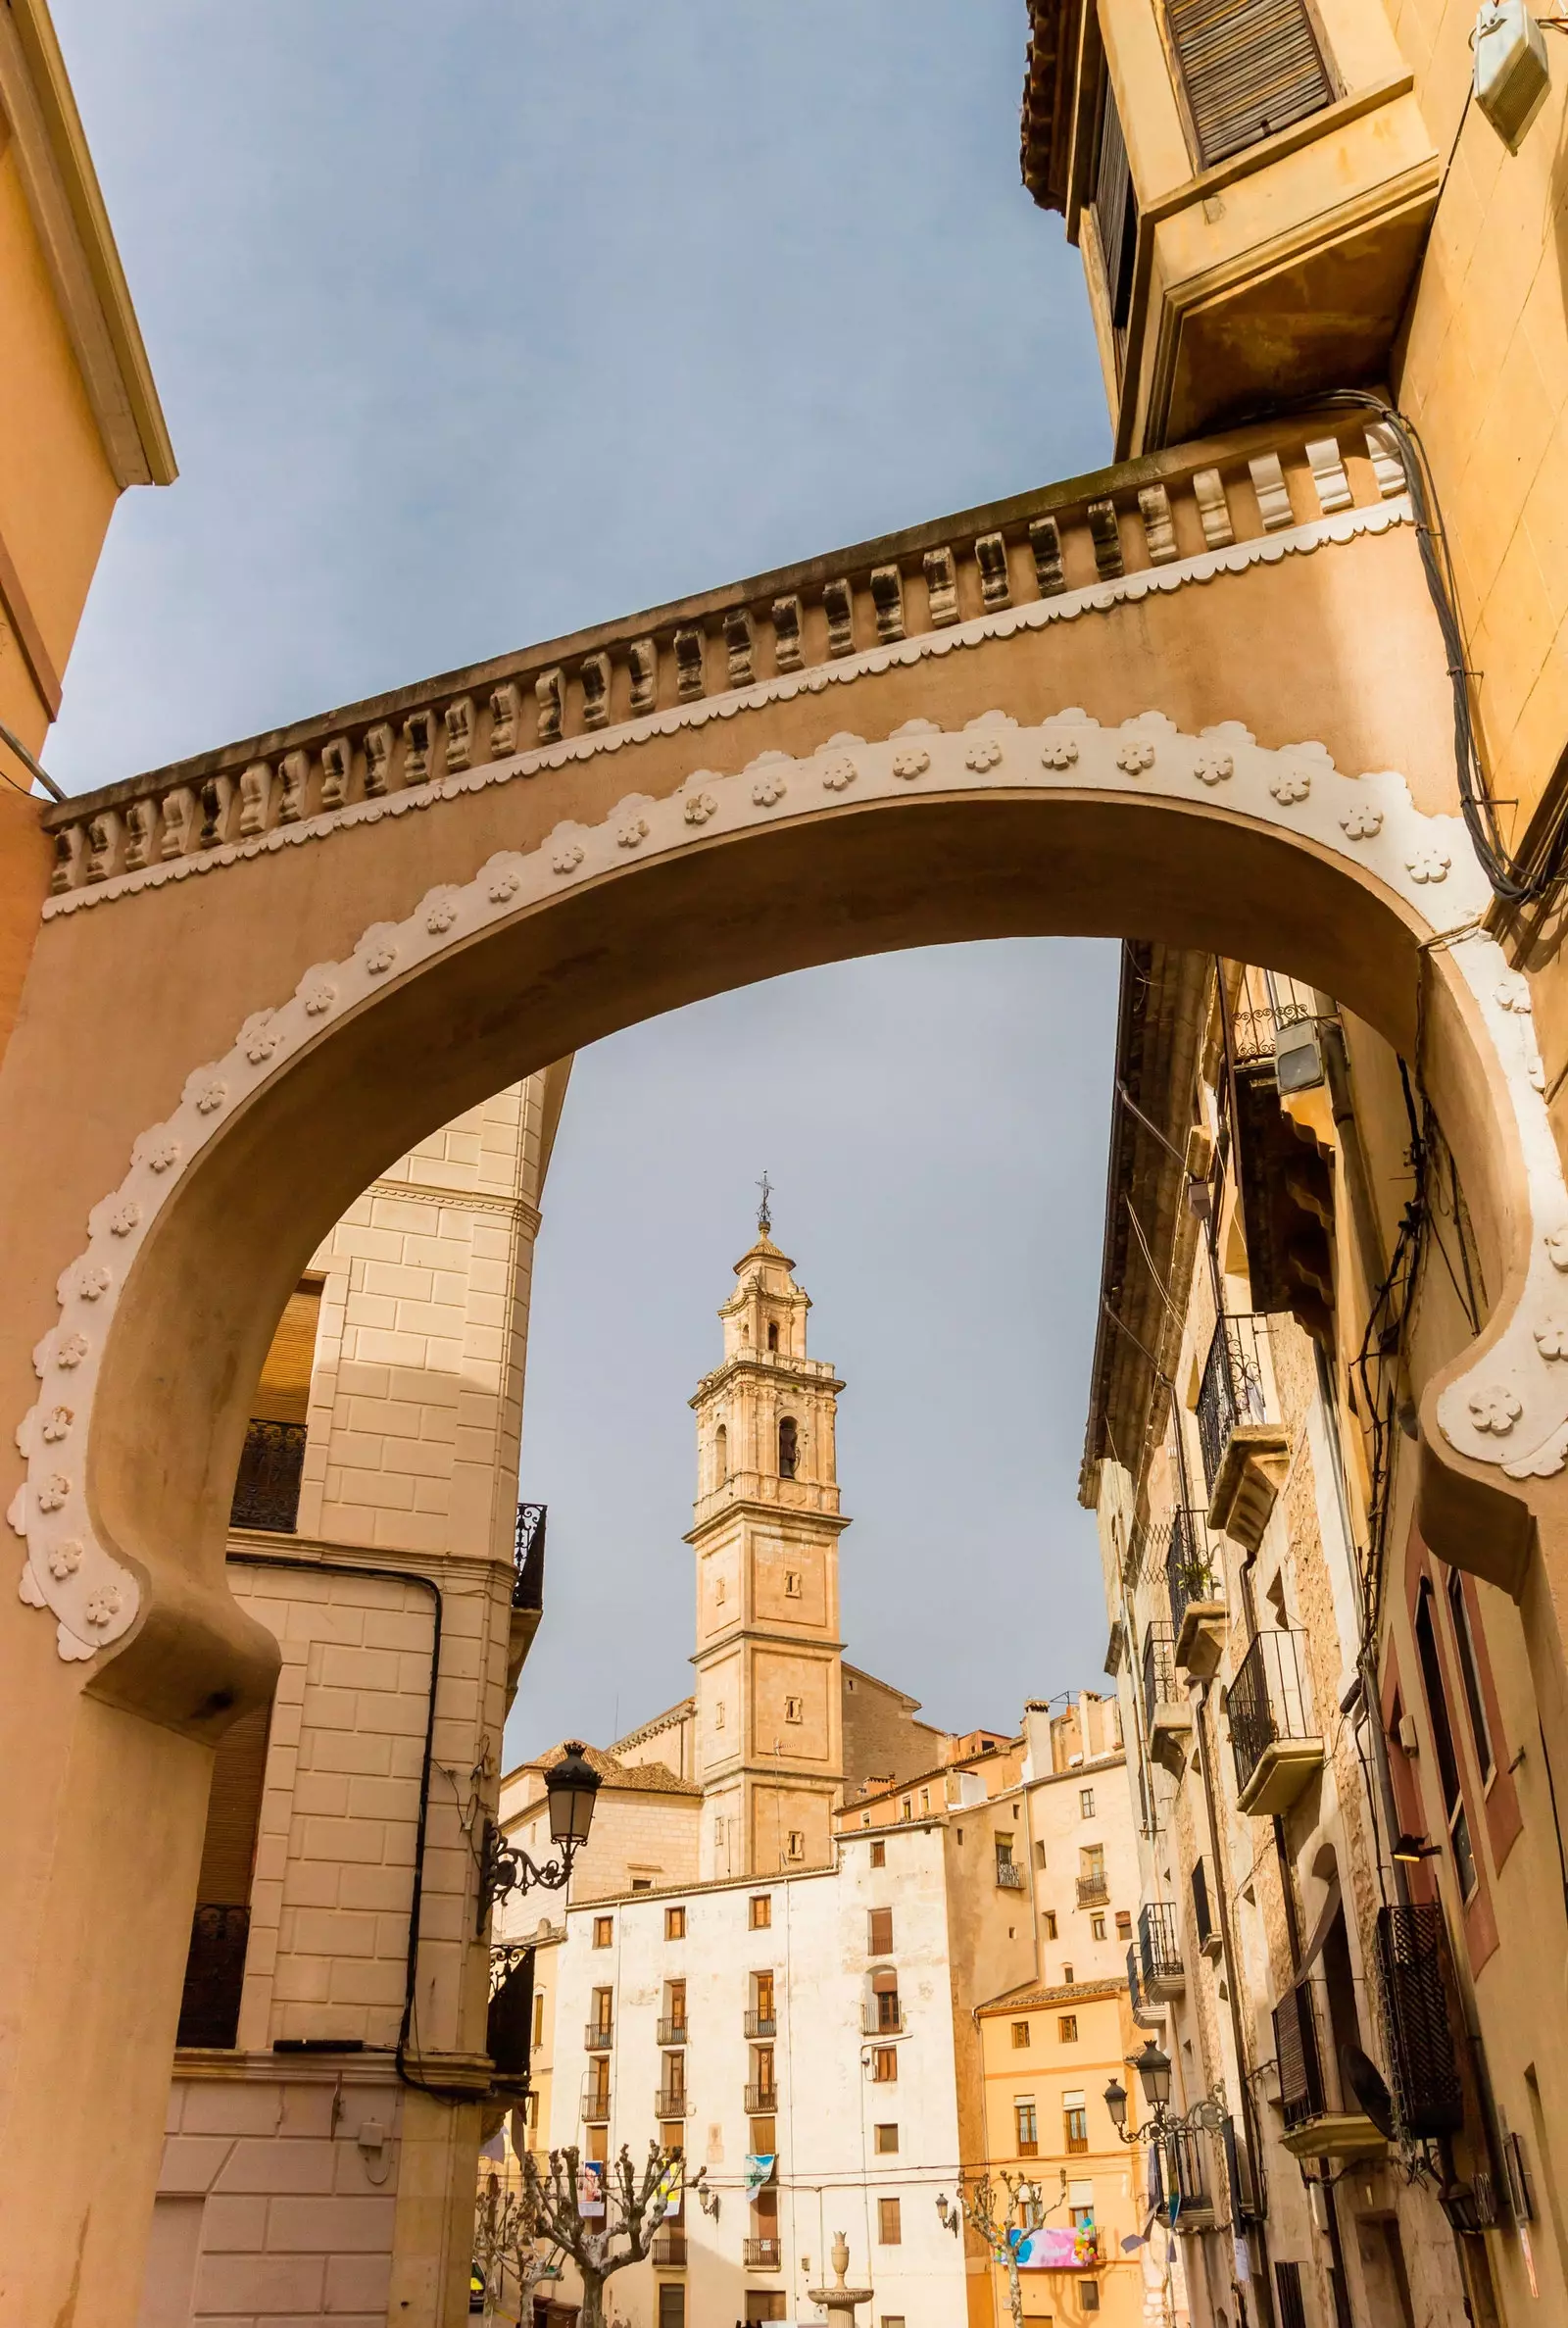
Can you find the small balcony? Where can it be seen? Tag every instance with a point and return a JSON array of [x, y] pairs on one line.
[[761, 2024], [1009, 1877], [1322, 2120], [1161, 1975], [764, 2255], [1167, 1716], [883, 2020], [1413, 1977], [1273, 1737], [266, 1487], [669, 2248], [1194, 1582], [596, 2104], [1093, 1891], [672, 2032], [1180, 2181], [1246, 1452], [669, 2101], [761, 2102], [599, 2037]]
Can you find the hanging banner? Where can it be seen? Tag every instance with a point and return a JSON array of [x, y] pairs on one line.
[[591, 2190], [666, 2197], [758, 2170], [1055, 2247]]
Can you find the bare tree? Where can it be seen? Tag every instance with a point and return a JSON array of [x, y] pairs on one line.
[[988, 2212], [635, 2200], [505, 2246]]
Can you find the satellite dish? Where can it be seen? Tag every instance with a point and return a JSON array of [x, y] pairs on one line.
[[1365, 2081]]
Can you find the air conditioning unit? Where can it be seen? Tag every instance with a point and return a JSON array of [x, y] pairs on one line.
[[1511, 73]]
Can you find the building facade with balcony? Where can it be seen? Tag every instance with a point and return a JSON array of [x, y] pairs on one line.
[[1289, 1953]]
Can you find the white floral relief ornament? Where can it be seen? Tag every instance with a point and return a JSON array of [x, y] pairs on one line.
[[378, 949], [1556, 1243], [211, 1096], [441, 912], [65, 1559], [1291, 786], [56, 1424], [700, 806], [911, 763], [839, 776], [1361, 823], [259, 1038], [566, 859], [124, 1217], [1512, 994], [102, 1607], [983, 755], [1215, 768], [1135, 758], [93, 1281], [632, 833], [75, 1346], [1551, 1337], [769, 790], [320, 996], [1429, 864], [1059, 752], [1496, 1409]]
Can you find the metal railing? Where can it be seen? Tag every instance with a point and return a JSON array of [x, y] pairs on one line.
[[215, 1975], [598, 2037], [1179, 2178], [763, 2254], [882, 2020], [1160, 1675], [596, 2104], [1093, 1891], [761, 2024], [669, 2248], [1010, 1876], [1266, 1701], [1160, 1954], [1234, 1386], [266, 1486], [669, 2101], [1425, 2076], [761, 2102], [1302, 2093], [1192, 1569], [672, 2032], [528, 1557]]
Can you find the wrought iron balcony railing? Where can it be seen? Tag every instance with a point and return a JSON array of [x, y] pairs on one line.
[[761, 2024], [1232, 1388], [669, 2248], [1010, 1876], [763, 2254], [1272, 1736], [528, 1557], [1093, 1891], [672, 2032], [1412, 1953], [1180, 2181], [1160, 1675], [1304, 2095], [882, 2019], [266, 1488], [761, 2102], [598, 2037], [1160, 1954], [669, 2101], [1192, 1567], [596, 2104]]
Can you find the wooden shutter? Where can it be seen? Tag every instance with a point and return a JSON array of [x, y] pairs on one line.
[[234, 1811], [1115, 208], [284, 1392], [1248, 68], [881, 1939]]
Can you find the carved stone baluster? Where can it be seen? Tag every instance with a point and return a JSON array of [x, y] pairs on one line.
[[1273, 494], [550, 693], [419, 745], [1384, 454], [1214, 509], [941, 587], [887, 598], [1106, 535], [995, 583], [593, 675], [506, 710], [65, 872], [141, 834], [643, 658], [1328, 475], [458, 722], [691, 678], [377, 747], [337, 768], [740, 645], [103, 846], [1159, 532], [788, 650], [293, 780], [217, 795], [838, 604], [255, 791], [180, 814], [1044, 540]]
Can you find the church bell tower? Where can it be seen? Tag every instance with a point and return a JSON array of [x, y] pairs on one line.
[[769, 1687]]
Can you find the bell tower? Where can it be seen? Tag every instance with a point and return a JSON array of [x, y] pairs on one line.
[[769, 1704]]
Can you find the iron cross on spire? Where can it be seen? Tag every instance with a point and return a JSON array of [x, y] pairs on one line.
[[764, 1217]]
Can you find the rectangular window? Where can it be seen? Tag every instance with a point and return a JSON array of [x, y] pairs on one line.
[[1040, 1855], [907, 1807], [1020, 2036], [1092, 1863], [1248, 68], [1097, 1927], [1291, 2306], [1004, 1844], [603, 2006], [762, 1994], [675, 2003], [887, 2140], [925, 1801], [1115, 210], [794, 1709], [598, 2144], [893, 2321], [675, 1923], [879, 1855], [765, 2138], [1026, 2126], [888, 2223], [1124, 1924], [884, 2064], [604, 1931], [1089, 2294], [1426, 1642], [642, 1883], [879, 1939], [671, 2305], [1067, 2028], [796, 1847], [884, 1992], [1050, 1920], [538, 2018], [1085, 1801], [1470, 1675], [1075, 2126], [761, 1910], [792, 1584]]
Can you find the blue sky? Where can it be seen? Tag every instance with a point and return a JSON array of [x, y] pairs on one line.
[[475, 324]]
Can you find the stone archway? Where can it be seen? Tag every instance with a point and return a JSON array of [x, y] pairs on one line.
[[211, 1068]]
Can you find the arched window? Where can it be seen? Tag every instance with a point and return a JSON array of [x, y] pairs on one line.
[[772, 1337], [721, 1455], [789, 1448]]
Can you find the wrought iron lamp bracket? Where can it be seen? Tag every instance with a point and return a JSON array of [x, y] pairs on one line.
[[505, 1868]]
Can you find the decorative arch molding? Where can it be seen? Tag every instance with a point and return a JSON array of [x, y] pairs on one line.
[[1504, 1408]]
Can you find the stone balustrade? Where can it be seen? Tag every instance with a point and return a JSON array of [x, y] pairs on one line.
[[1144, 514]]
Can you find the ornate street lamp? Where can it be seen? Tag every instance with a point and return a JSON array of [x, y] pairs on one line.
[[570, 1786], [1152, 2065]]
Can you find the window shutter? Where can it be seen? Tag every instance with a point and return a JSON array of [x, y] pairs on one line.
[[1200, 1914], [1249, 67], [881, 1936], [234, 1811]]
